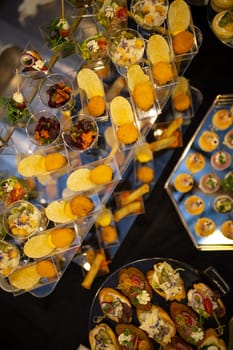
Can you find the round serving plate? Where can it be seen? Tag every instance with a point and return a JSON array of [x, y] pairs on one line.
[[189, 275]]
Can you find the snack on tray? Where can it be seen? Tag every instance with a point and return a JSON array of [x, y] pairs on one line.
[[222, 25], [194, 205], [195, 162], [183, 42], [54, 161], [79, 180], [60, 212], [25, 278], [32, 62], [101, 337], [145, 174], [187, 323], [181, 97], [9, 258], [166, 281], [228, 139], [134, 207], [109, 234], [17, 109], [115, 305], [46, 269], [165, 328], [132, 337], [204, 227], [101, 174], [81, 205], [208, 141], [223, 204], [62, 237], [135, 194], [127, 133], [89, 81], [203, 300], [222, 119], [211, 340], [221, 160], [183, 182], [38, 246], [179, 16], [227, 229], [209, 183], [92, 273], [141, 87], [13, 189], [133, 283]]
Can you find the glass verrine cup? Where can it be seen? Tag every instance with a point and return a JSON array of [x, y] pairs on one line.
[[56, 91], [9, 258], [126, 47], [43, 128], [112, 14], [22, 219], [82, 134], [58, 37], [150, 15], [93, 44]]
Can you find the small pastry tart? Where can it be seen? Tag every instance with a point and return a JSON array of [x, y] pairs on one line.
[[184, 182], [220, 160], [223, 204], [195, 162], [204, 227], [222, 25], [194, 205], [222, 119]]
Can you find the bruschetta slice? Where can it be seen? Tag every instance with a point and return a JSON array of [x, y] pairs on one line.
[[133, 283], [205, 301], [187, 323], [102, 337], [157, 324], [131, 337], [177, 343], [212, 341], [115, 305], [166, 281]]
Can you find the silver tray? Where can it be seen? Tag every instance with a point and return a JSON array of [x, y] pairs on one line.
[[215, 241]]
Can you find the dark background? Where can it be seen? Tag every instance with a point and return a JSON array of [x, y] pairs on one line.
[[60, 321]]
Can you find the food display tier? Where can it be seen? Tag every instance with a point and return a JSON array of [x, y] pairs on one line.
[[209, 276], [215, 240]]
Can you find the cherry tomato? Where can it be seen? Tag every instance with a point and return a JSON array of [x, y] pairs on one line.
[[189, 321], [208, 305], [135, 280], [122, 13]]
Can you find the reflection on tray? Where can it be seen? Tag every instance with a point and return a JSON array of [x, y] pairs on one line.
[[200, 186]]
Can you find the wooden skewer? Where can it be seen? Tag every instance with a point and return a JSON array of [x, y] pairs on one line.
[[17, 80], [62, 9]]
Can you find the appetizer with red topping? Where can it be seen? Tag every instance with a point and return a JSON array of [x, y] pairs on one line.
[[203, 300], [133, 283], [187, 323]]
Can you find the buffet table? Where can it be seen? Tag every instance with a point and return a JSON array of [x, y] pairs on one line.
[[60, 320]]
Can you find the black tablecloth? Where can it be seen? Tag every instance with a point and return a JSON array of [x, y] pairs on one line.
[[60, 321]]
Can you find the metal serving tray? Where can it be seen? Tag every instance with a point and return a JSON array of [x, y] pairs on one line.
[[216, 240]]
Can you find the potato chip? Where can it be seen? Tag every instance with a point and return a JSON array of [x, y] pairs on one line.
[[25, 278], [38, 246], [89, 81], [182, 87], [121, 111], [79, 180], [157, 49], [135, 75], [32, 165], [59, 212], [179, 16]]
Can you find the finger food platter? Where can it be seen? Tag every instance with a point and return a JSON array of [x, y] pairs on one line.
[[215, 240], [46, 187], [189, 275]]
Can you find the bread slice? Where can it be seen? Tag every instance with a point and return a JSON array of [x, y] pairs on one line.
[[133, 338], [133, 283], [115, 305], [205, 301], [157, 324], [166, 281], [187, 323], [103, 336], [211, 339]]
